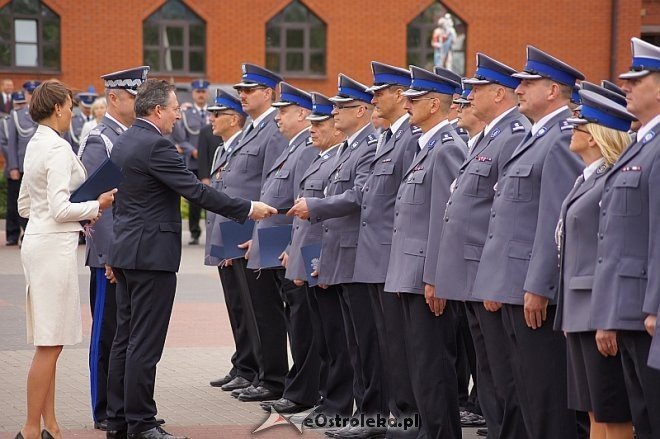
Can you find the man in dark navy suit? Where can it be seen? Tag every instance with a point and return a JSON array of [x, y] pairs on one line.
[[146, 252]]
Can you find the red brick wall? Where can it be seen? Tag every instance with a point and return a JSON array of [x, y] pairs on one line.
[[106, 35]]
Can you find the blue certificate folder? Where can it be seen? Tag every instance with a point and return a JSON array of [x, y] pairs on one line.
[[106, 177], [232, 234], [272, 242], [311, 254]]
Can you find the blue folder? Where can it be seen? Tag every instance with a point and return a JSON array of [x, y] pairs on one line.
[[233, 234], [311, 254], [272, 242], [106, 177]]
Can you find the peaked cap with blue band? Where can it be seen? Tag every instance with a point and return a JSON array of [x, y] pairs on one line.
[[467, 89], [424, 82], [446, 73], [290, 95], [491, 71], [350, 90], [18, 97], [226, 101], [129, 79], [200, 84], [542, 65], [575, 95], [386, 75], [645, 59], [321, 109], [29, 86], [255, 76], [87, 98], [612, 87], [609, 94], [602, 111]]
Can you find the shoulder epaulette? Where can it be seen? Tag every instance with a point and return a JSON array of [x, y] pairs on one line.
[[415, 129], [371, 139], [564, 125], [517, 127], [446, 137]]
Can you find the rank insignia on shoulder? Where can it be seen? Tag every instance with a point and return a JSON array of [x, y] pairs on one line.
[[565, 125], [386, 160], [398, 134], [649, 136], [495, 132], [309, 141], [446, 137], [631, 169], [95, 132], [517, 127], [415, 129], [461, 130], [371, 139], [481, 158], [601, 169], [431, 144], [542, 132]]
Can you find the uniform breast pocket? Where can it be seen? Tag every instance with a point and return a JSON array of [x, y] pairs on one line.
[[283, 185], [249, 158], [313, 188], [627, 195], [413, 189], [385, 181], [476, 181], [518, 184], [342, 178]]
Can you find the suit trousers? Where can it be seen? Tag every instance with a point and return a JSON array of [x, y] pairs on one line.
[[360, 325], [642, 382], [103, 304], [388, 314], [540, 374], [262, 289], [301, 384], [144, 306], [14, 222], [431, 354], [194, 215], [336, 377], [466, 361], [242, 322]]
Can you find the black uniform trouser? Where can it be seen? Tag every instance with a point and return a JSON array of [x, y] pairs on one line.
[[301, 384], [431, 353], [242, 322], [466, 361], [14, 222], [103, 303], [539, 372], [194, 215], [388, 314], [360, 325], [144, 305], [262, 290], [642, 382], [330, 336]]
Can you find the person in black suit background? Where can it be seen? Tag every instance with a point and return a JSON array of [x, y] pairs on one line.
[[146, 253], [5, 95]]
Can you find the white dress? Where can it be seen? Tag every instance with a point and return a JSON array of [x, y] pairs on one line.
[[49, 250]]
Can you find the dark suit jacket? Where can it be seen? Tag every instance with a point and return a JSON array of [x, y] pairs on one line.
[[5, 105], [208, 143], [147, 215]]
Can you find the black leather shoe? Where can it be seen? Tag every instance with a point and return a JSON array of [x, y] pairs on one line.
[[237, 392], [362, 433], [116, 434], [193, 241], [335, 432], [237, 382], [482, 432], [258, 394], [287, 406], [155, 433], [221, 381], [10, 243], [160, 421], [266, 404], [46, 435], [101, 425], [19, 435]]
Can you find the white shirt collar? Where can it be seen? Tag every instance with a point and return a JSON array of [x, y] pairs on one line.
[[262, 116], [644, 130], [152, 124], [229, 141], [542, 121], [497, 120], [473, 140], [589, 170], [397, 124], [200, 109], [356, 134], [322, 153], [296, 136], [121, 125], [424, 138]]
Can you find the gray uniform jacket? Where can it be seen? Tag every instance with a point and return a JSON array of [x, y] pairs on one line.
[[627, 281], [340, 210], [186, 133], [425, 186], [75, 129], [213, 236], [462, 132], [578, 242], [280, 188], [467, 212], [4, 140], [21, 130], [392, 159], [93, 151], [313, 181], [520, 253]]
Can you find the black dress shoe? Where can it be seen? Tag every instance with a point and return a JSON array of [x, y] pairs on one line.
[[482, 432], [101, 425], [221, 381], [258, 394], [160, 421], [236, 392], [287, 406], [362, 433], [237, 382], [19, 436], [46, 435], [155, 433], [267, 404], [10, 243], [116, 434], [193, 241]]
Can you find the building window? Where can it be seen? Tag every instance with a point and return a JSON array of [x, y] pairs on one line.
[[651, 34], [29, 36], [295, 42], [436, 37], [174, 40]]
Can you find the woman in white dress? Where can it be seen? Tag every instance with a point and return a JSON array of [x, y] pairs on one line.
[[48, 254]]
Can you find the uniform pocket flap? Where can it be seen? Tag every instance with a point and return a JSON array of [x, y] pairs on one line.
[[250, 150], [521, 171], [632, 267], [170, 227], [520, 250], [482, 169], [581, 282], [472, 252], [628, 179], [282, 173], [343, 175], [417, 177], [348, 240], [314, 185], [415, 247], [384, 169]]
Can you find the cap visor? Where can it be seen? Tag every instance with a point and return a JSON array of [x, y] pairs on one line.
[[318, 117], [341, 99], [476, 81], [577, 121], [634, 74], [279, 104], [247, 85], [374, 88], [461, 101], [525, 75], [413, 93], [218, 108]]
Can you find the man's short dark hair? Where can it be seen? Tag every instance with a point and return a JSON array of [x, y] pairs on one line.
[[50, 93], [150, 94]]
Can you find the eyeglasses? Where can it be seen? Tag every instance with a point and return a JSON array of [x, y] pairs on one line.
[[412, 100], [249, 90], [175, 109], [344, 107], [218, 113], [575, 128]]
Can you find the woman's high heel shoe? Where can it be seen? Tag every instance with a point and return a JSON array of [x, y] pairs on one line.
[[46, 435], [19, 436]]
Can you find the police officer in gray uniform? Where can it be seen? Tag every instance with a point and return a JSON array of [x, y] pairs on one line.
[[94, 150], [531, 186], [12, 227], [85, 101], [453, 109], [20, 130], [228, 123], [626, 288], [301, 385], [429, 339], [336, 376], [244, 175], [466, 220]]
